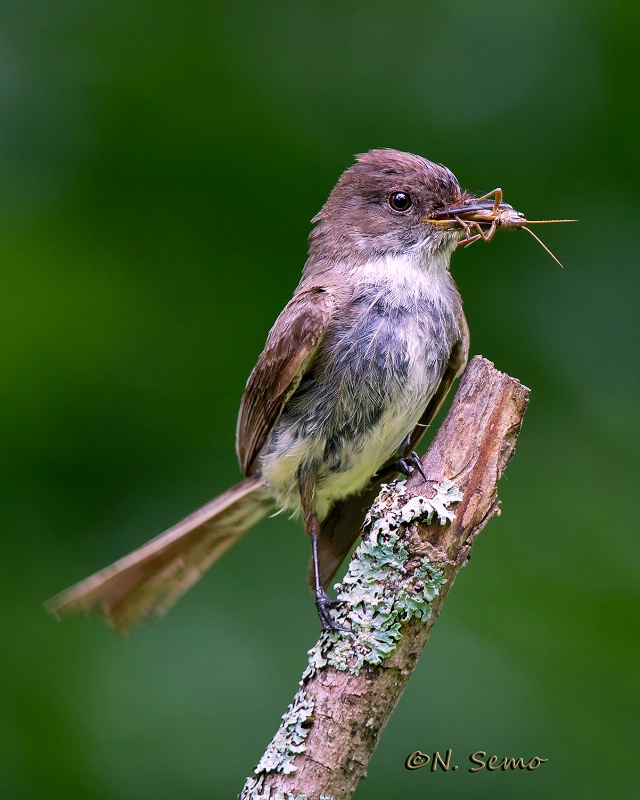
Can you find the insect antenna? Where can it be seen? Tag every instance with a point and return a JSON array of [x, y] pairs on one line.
[[548, 221], [542, 244], [538, 239]]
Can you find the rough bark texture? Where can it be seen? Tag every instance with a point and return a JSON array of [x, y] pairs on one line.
[[329, 733]]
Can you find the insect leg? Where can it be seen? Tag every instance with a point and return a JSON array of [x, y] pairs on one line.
[[491, 232], [467, 228], [497, 199]]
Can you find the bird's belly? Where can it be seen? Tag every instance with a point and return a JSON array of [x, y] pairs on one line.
[[362, 456], [353, 415]]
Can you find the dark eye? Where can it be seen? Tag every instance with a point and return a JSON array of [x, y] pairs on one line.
[[400, 201]]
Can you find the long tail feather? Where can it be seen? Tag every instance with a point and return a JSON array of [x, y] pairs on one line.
[[151, 579]]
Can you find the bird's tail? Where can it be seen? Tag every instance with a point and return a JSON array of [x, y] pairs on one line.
[[151, 579]]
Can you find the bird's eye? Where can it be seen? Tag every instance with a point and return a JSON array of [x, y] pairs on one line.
[[400, 201]]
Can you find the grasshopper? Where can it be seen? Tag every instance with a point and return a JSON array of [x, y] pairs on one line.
[[489, 210]]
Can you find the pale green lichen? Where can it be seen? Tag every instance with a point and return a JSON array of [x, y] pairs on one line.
[[289, 740], [254, 789], [393, 507], [378, 595]]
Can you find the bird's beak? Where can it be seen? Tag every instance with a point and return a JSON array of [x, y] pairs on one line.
[[470, 211]]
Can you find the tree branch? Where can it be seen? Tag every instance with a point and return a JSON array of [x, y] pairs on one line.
[[398, 578]]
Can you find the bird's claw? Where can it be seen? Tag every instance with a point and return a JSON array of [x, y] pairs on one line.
[[323, 604], [408, 464]]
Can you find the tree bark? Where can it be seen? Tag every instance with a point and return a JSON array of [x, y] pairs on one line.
[[413, 547]]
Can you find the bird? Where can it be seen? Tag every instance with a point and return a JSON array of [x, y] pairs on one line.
[[352, 373]]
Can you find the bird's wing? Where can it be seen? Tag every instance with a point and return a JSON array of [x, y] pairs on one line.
[[288, 352], [341, 527]]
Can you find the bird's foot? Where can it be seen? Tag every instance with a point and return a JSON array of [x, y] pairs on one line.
[[323, 604], [408, 464]]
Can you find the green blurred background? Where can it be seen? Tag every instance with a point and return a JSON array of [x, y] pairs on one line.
[[160, 165]]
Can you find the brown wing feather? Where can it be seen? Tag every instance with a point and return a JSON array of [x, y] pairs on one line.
[[290, 347], [340, 529]]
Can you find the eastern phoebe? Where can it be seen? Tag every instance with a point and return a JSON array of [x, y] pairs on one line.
[[352, 372]]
